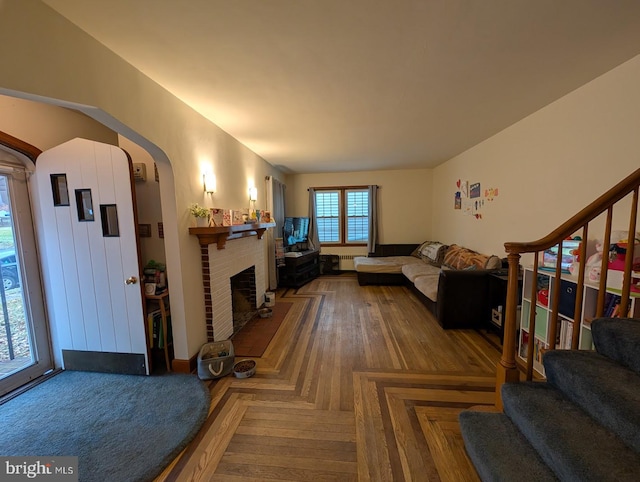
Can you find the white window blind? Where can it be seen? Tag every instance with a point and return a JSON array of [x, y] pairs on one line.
[[357, 216], [328, 216]]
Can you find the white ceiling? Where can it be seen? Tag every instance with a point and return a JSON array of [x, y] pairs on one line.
[[335, 85]]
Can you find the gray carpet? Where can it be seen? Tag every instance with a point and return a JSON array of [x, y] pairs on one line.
[[122, 427]]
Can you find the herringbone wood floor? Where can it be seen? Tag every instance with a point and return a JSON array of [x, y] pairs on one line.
[[359, 383]]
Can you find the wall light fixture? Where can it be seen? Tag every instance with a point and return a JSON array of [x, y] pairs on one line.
[[209, 181]]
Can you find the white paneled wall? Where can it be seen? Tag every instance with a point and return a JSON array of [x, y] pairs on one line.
[[89, 305]]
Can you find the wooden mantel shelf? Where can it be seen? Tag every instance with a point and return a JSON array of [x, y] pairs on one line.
[[221, 234]]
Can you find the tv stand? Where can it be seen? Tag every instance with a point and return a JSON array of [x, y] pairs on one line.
[[299, 270]]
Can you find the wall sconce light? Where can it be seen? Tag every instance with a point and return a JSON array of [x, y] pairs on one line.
[[253, 194], [209, 180]]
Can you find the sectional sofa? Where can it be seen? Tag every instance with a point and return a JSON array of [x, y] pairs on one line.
[[452, 281]]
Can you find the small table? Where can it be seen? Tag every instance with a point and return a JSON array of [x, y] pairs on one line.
[[162, 301]]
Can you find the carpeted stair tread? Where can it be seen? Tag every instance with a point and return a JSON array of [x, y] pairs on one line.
[[568, 440], [499, 451], [607, 391], [618, 339]]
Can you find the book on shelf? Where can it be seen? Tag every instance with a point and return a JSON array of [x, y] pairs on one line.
[[156, 335], [524, 344], [612, 307], [539, 348], [566, 334]]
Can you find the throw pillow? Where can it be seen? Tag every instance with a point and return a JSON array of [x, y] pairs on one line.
[[493, 263], [430, 251], [433, 253], [458, 257]]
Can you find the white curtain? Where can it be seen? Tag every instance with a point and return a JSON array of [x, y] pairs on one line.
[[373, 218], [275, 204]]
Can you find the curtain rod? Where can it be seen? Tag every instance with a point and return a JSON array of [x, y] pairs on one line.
[[324, 188]]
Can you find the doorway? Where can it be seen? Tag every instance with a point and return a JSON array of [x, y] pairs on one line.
[[25, 347]]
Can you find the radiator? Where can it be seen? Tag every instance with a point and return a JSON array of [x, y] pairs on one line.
[[347, 256], [345, 261]]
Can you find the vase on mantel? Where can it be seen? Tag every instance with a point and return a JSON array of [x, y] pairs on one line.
[[202, 222]]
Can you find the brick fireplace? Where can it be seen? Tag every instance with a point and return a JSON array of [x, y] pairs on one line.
[[218, 266]]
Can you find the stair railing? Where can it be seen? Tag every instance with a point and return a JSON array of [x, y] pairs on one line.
[[508, 370]]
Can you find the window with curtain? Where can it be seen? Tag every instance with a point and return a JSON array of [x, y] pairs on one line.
[[342, 215]]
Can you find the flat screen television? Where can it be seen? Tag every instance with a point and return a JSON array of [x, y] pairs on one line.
[[295, 232]]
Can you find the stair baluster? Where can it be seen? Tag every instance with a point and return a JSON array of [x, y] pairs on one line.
[[507, 370]]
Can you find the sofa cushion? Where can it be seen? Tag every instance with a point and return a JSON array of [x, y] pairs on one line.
[[386, 264], [428, 286], [458, 257], [413, 270], [431, 252]]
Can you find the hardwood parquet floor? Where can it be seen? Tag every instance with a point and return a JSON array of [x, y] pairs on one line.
[[359, 383]]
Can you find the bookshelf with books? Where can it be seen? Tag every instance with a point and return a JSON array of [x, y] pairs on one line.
[[545, 286]]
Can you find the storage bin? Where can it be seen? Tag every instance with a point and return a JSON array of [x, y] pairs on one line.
[[269, 299], [567, 304], [215, 359]]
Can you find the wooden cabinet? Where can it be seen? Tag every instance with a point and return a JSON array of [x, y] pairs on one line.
[[546, 284], [299, 270]]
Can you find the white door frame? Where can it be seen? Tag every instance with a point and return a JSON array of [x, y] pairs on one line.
[[27, 258]]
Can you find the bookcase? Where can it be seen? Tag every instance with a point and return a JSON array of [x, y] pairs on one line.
[[568, 285]]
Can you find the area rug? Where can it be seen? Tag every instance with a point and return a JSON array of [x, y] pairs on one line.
[[121, 427], [254, 337]]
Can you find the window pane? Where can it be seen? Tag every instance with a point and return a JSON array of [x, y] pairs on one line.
[[328, 216], [328, 230], [357, 216]]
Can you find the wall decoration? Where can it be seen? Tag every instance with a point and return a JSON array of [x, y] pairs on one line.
[[144, 230], [160, 230], [477, 208], [472, 201], [463, 187], [491, 193]]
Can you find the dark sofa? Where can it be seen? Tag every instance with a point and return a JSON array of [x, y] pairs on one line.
[[458, 298]]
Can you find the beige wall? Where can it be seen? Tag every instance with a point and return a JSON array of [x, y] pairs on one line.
[[548, 166], [404, 202], [52, 60], [45, 126], [148, 202]]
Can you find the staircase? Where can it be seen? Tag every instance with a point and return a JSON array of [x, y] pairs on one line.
[[581, 424]]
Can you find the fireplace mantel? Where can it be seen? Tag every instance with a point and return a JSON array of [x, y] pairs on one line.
[[221, 234]]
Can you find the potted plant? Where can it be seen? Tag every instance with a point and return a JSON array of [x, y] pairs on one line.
[[201, 214]]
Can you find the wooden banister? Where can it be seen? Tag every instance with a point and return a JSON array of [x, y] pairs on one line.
[[507, 370]]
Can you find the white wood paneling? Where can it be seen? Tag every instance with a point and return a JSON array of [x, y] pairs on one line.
[[90, 306]]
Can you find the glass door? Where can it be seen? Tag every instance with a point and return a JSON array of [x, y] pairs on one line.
[[25, 351]]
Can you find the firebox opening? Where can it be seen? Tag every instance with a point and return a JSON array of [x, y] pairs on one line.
[[243, 297]]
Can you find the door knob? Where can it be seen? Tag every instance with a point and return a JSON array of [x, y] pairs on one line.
[[131, 280]]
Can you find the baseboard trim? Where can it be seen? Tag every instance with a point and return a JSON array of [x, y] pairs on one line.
[[185, 366]]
